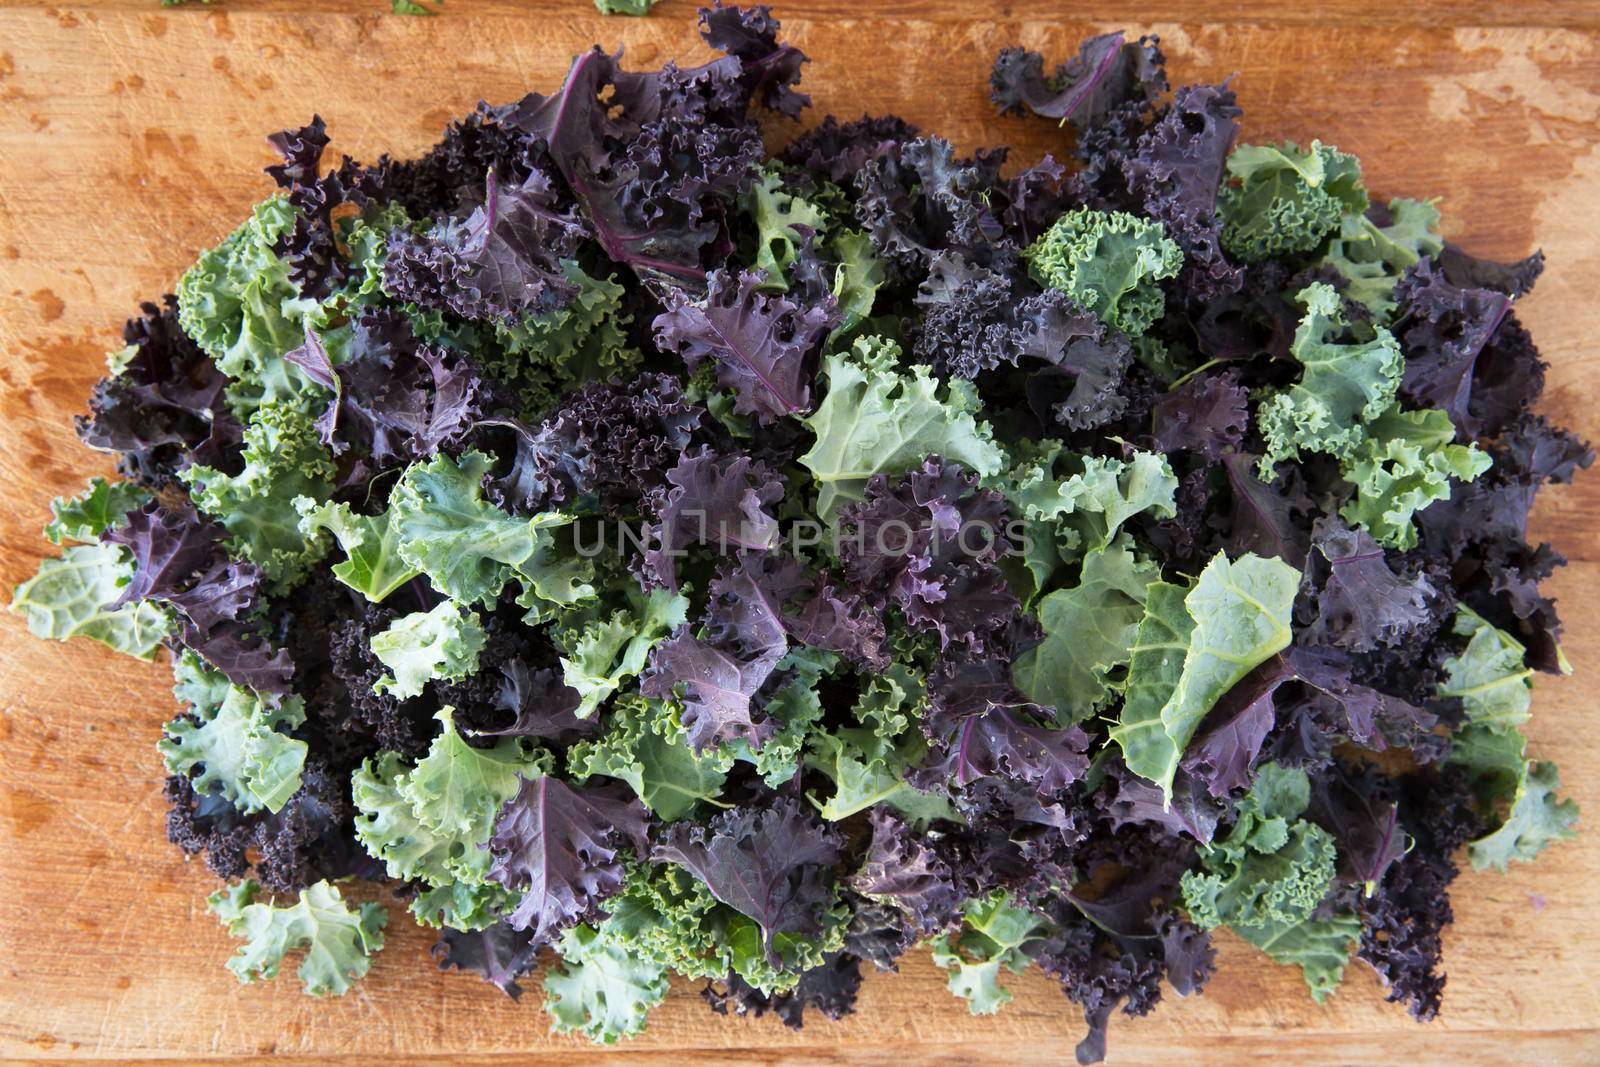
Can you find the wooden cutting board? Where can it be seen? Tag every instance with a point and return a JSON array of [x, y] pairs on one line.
[[131, 136]]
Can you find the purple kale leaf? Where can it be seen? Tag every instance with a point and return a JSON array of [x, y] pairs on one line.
[[1470, 272], [976, 319], [717, 673], [928, 542], [1402, 922], [837, 152], [922, 199], [1132, 800], [310, 248], [1102, 76], [395, 398], [1176, 172], [498, 263], [772, 864], [1268, 518], [611, 443], [1352, 597], [831, 987], [501, 953], [656, 160], [541, 705], [165, 409], [764, 346], [558, 846], [711, 501], [1443, 331], [980, 726], [900, 869], [1206, 414], [180, 559]]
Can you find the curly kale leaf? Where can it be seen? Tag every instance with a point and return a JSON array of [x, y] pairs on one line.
[[82, 593], [1408, 462], [993, 934], [84, 518], [645, 746], [229, 741], [1089, 632], [283, 460], [1343, 386], [468, 548], [722, 668], [418, 648], [338, 942], [877, 420], [770, 864], [598, 658], [764, 346], [240, 306], [500, 262], [558, 846], [1267, 878], [600, 988], [1111, 263], [1287, 199]]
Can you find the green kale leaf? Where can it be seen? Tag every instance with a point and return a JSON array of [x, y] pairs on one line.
[[1111, 263], [338, 942], [229, 742], [102, 506], [877, 420], [72, 596], [439, 644], [1343, 386], [1236, 617], [1286, 198]]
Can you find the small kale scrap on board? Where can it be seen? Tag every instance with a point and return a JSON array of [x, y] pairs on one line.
[[618, 541]]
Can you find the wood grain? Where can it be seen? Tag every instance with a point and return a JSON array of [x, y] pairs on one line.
[[130, 137]]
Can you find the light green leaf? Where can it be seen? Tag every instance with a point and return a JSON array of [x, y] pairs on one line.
[[1089, 631], [1109, 262], [1536, 819], [1406, 464], [1268, 877], [338, 942], [232, 746], [239, 305], [1373, 258], [644, 745], [856, 280], [72, 594], [418, 648], [877, 420], [1287, 199], [605, 653], [1505, 779], [1490, 677], [1240, 617], [468, 548], [992, 935], [456, 789], [371, 544], [283, 460], [1319, 947], [1343, 386], [600, 989], [776, 212]]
